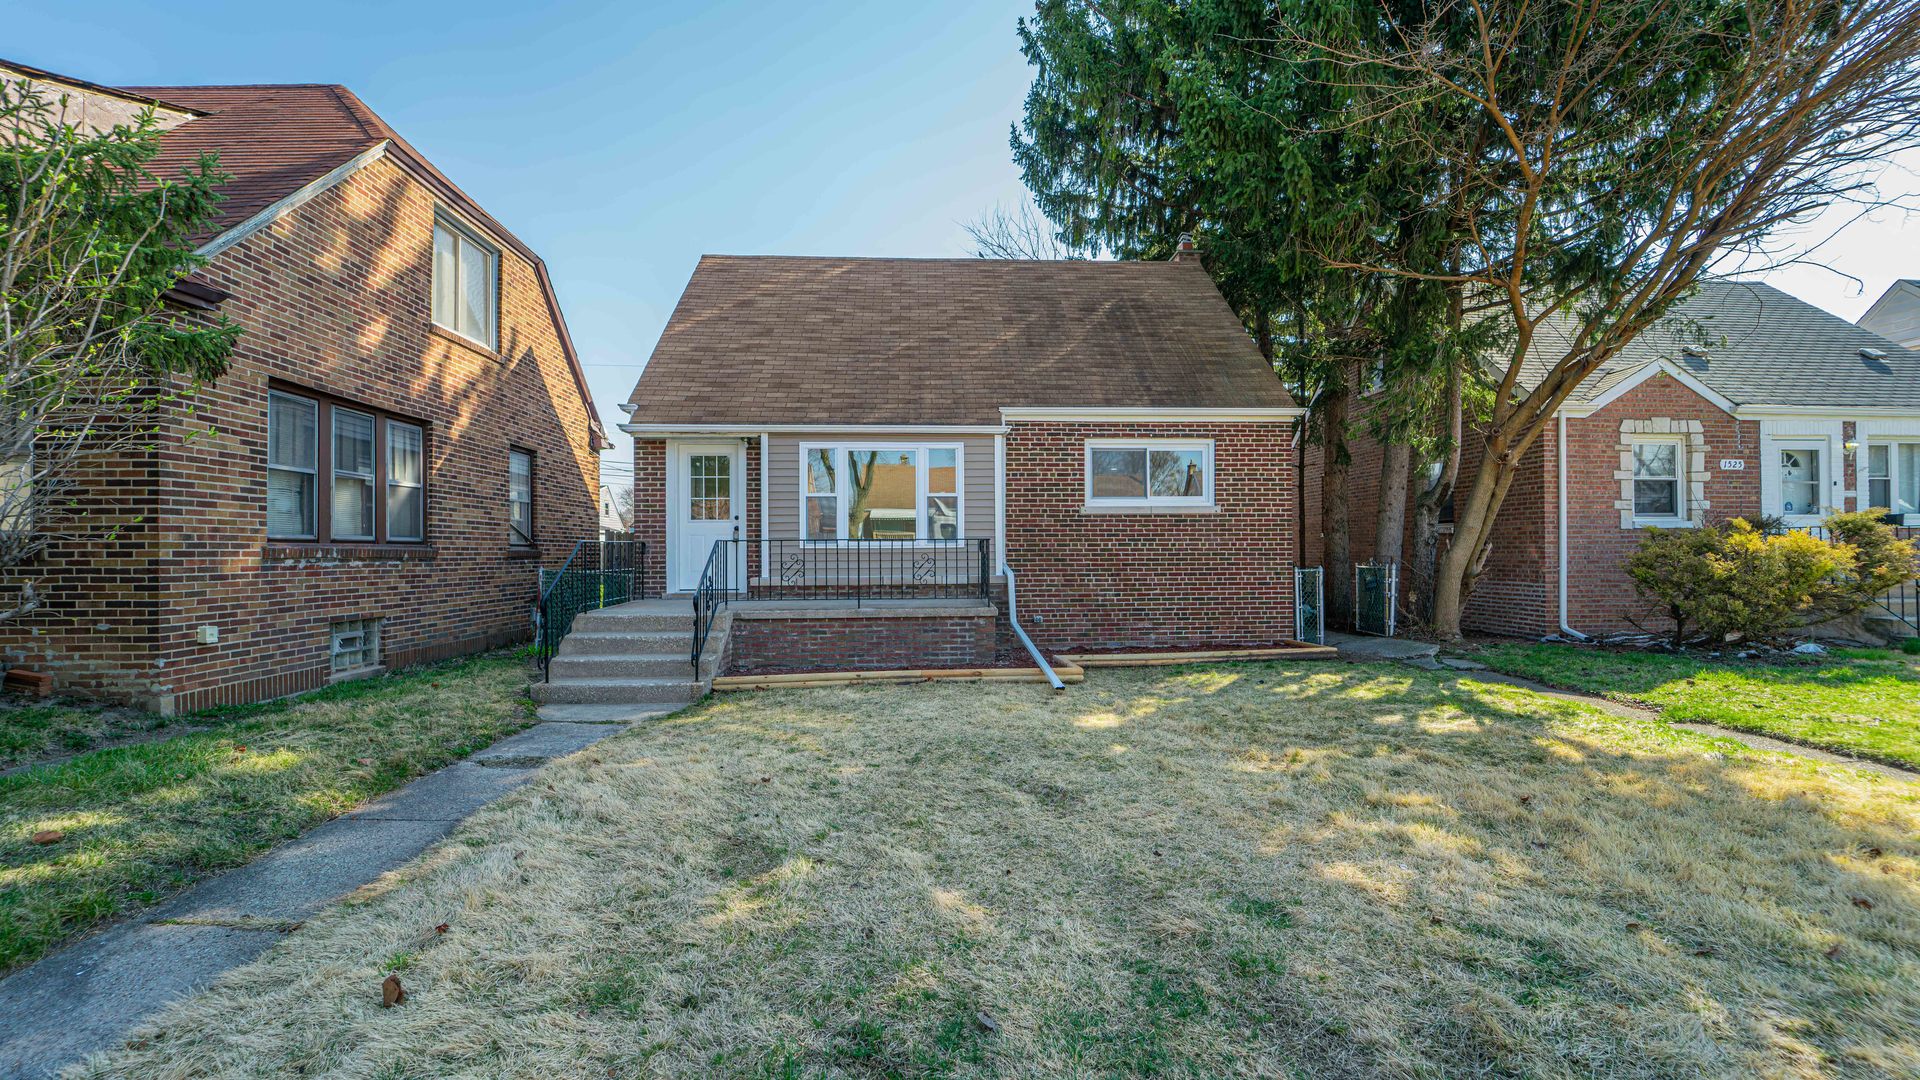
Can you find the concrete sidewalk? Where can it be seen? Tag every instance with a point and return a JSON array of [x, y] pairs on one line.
[[89, 995]]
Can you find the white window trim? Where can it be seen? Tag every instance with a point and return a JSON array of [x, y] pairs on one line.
[[1151, 502], [841, 508], [466, 233], [313, 506], [1682, 516], [1894, 476]]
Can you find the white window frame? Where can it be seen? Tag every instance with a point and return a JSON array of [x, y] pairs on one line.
[[467, 234], [1681, 517], [1203, 501], [924, 451], [1894, 476]]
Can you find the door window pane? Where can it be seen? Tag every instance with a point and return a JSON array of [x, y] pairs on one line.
[[1119, 474], [406, 482], [883, 490], [710, 486], [352, 475], [292, 466], [1800, 481]]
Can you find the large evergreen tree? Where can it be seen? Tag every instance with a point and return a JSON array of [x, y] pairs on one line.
[[1147, 120]]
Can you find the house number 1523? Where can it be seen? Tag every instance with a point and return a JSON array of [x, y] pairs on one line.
[[1733, 464]]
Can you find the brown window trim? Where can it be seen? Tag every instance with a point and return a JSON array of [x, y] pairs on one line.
[[323, 473], [533, 500]]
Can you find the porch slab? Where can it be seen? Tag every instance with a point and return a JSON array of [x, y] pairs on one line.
[[1363, 647]]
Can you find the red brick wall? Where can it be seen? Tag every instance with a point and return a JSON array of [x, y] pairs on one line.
[[650, 511], [1518, 595], [1599, 594], [1136, 580], [765, 646], [334, 298]]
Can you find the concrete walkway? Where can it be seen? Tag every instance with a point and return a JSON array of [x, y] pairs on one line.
[[89, 995]]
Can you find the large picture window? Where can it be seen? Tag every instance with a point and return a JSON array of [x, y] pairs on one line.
[[363, 454], [1149, 473], [880, 492], [466, 279]]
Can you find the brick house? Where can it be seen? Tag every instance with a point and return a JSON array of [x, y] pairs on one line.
[[1785, 410], [404, 435], [855, 430]]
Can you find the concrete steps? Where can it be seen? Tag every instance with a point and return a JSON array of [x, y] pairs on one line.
[[637, 653]]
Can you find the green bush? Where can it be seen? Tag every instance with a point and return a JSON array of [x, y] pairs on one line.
[[1735, 582]]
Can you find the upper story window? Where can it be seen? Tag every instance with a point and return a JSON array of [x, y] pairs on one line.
[[880, 492], [1149, 473], [520, 498], [372, 467], [466, 280], [1893, 476], [1659, 496]]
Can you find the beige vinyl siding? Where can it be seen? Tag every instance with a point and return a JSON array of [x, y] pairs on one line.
[[783, 477]]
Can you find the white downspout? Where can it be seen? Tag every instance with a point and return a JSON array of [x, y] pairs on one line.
[[1565, 630]]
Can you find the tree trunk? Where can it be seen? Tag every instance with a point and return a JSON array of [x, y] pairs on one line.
[[1473, 529], [1435, 496], [1390, 523], [1335, 511]]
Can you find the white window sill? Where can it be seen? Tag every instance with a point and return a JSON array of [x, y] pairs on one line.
[[1150, 508], [1664, 523]]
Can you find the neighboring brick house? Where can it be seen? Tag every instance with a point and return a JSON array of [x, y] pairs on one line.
[[404, 435], [1105, 429], [1785, 410]]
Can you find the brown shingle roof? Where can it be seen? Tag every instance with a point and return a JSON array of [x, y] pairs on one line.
[[273, 140], [787, 340]]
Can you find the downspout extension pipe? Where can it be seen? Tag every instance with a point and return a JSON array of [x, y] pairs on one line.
[[1013, 620], [1565, 630]]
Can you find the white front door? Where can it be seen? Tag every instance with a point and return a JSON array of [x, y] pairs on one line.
[[706, 489], [1801, 481]]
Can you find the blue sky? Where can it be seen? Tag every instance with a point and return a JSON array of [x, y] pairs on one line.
[[622, 141]]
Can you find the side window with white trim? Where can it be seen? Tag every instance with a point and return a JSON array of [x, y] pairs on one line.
[[1149, 473]]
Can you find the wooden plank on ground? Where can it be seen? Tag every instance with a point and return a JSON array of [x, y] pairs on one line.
[[1292, 651]]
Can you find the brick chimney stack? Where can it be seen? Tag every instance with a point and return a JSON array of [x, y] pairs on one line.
[[1185, 250]]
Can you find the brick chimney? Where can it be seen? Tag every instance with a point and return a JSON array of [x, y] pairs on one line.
[[1185, 250]]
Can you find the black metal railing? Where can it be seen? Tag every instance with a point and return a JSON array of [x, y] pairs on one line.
[[1902, 602], [750, 569], [597, 574]]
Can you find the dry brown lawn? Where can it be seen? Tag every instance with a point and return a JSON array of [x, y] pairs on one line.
[[1264, 870]]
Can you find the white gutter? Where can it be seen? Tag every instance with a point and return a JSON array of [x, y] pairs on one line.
[[1013, 620], [657, 430], [1566, 630]]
